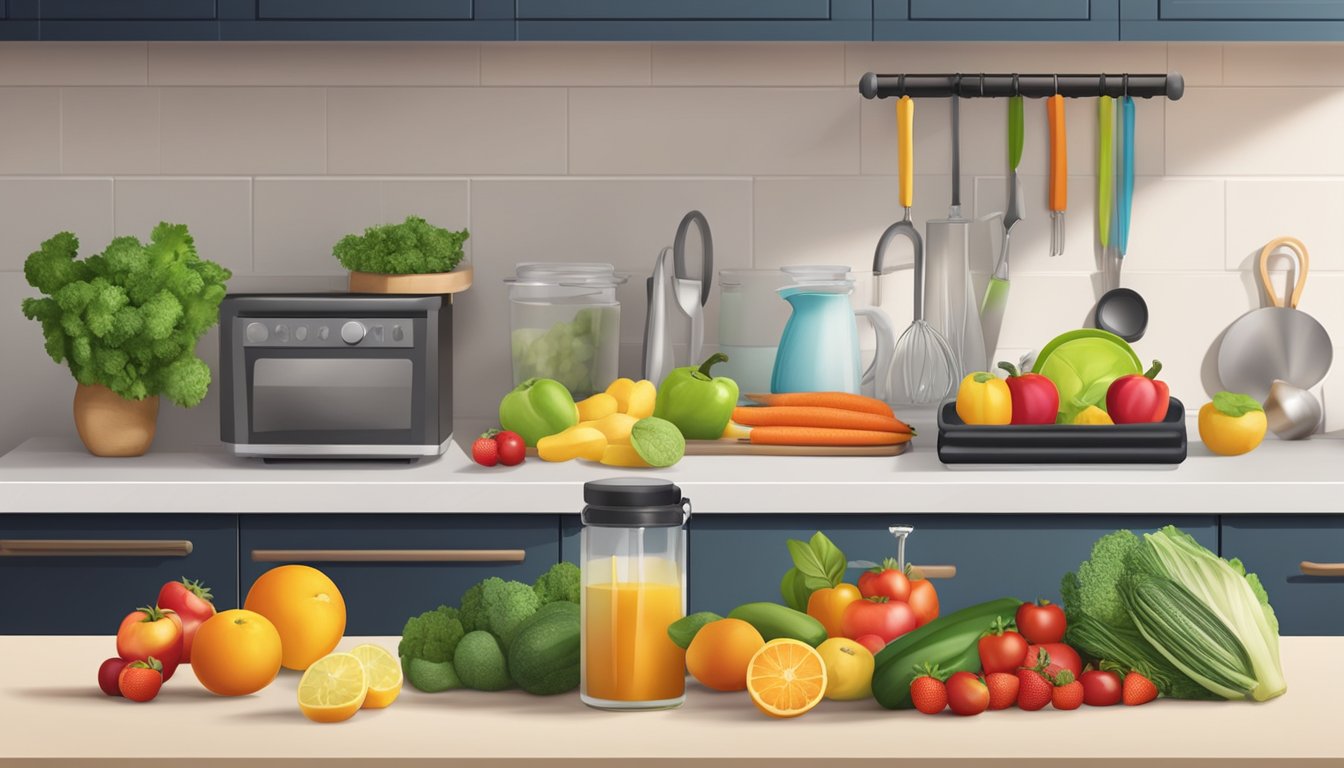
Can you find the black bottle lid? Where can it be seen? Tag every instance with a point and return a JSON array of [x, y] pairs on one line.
[[633, 502]]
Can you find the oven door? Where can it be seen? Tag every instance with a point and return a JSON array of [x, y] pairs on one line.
[[325, 400]]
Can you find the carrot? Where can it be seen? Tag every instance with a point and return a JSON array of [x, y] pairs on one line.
[[815, 416], [843, 400], [825, 436]]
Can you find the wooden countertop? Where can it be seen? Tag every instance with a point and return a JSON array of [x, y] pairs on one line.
[[52, 710]]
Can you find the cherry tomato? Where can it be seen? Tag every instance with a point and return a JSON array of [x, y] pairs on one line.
[[923, 601], [1101, 688], [1041, 622], [511, 447], [888, 619], [1002, 650], [967, 694], [828, 605], [1061, 657], [149, 631], [886, 581], [872, 642]]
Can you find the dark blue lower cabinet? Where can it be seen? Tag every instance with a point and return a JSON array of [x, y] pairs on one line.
[[737, 559], [81, 574], [1307, 601], [392, 566]]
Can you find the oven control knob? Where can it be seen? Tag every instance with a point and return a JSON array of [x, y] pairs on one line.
[[352, 332], [257, 333]]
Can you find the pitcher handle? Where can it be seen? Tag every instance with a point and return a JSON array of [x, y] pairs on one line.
[[878, 373]]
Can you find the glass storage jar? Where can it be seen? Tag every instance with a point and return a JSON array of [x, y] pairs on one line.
[[565, 324]]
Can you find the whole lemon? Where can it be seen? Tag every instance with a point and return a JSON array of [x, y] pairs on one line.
[[306, 608], [236, 652], [1232, 424], [720, 653], [849, 669]]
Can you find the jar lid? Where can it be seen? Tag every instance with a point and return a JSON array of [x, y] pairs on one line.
[[633, 502], [565, 273]]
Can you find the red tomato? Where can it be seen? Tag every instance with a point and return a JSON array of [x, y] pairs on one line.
[[150, 631], [108, 673], [191, 602], [1002, 650], [1101, 688], [872, 642], [511, 447], [923, 601], [885, 581], [888, 619], [1041, 622], [1061, 657], [967, 694]]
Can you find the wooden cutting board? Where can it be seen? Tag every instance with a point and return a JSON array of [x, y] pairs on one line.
[[745, 448]]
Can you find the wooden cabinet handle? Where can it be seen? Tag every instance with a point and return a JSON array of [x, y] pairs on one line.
[[389, 555], [937, 571], [1322, 569], [95, 547]]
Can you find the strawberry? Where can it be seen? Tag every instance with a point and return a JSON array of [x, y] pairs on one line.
[[927, 691], [1138, 690], [1068, 691], [1002, 689], [485, 451], [141, 680], [1034, 690]]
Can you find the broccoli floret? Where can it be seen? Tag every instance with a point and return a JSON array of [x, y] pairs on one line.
[[505, 604], [1093, 588], [411, 247], [471, 611], [561, 582], [432, 636]]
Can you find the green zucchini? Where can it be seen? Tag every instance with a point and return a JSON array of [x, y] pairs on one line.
[[951, 642], [774, 621]]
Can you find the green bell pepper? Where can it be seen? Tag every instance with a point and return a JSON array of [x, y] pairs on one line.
[[538, 408], [698, 403]]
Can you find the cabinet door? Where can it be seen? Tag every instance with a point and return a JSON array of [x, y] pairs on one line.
[[735, 559], [1232, 20], [81, 574], [1274, 547], [996, 20], [128, 19], [366, 19], [390, 567], [18, 19], [694, 19]]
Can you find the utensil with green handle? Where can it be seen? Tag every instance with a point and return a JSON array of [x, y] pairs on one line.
[[996, 294], [1105, 167]]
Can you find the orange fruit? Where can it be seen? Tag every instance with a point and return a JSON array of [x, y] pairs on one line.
[[786, 678], [306, 608], [235, 653], [720, 652]]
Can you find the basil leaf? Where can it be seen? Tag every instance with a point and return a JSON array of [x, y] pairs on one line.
[[832, 559], [1235, 405], [806, 559], [788, 589]]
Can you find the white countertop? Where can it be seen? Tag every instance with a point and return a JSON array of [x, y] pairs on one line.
[[58, 475], [52, 710]]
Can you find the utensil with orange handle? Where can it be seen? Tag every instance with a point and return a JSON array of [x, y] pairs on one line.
[[1059, 172]]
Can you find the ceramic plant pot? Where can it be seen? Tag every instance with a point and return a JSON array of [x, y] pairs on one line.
[[111, 425]]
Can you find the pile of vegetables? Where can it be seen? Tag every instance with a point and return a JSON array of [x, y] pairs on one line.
[[129, 317], [412, 247], [503, 633], [1198, 626]]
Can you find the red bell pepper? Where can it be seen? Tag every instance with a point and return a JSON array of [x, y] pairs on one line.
[[1136, 399], [1035, 398]]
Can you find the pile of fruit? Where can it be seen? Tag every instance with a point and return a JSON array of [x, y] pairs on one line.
[[294, 616], [502, 634]]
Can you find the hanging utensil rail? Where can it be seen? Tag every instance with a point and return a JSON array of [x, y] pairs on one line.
[[980, 85]]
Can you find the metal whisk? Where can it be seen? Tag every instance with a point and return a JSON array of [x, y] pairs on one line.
[[925, 367]]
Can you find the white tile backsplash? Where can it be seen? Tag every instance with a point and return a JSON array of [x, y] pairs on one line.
[[593, 151]]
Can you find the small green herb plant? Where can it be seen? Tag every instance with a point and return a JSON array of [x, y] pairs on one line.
[[412, 247], [129, 317]]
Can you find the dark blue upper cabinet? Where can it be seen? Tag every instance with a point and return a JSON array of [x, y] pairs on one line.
[[1232, 20], [18, 19], [694, 19], [996, 19], [366, 19], [128, 20]]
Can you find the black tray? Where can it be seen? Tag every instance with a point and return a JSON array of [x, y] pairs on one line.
[[1163, 442]]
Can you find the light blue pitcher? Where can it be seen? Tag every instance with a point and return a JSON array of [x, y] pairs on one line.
[[819, 349]]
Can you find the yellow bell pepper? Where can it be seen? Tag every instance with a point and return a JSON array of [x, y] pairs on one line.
[[983, 398], [1092, 415], [577, 442]]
